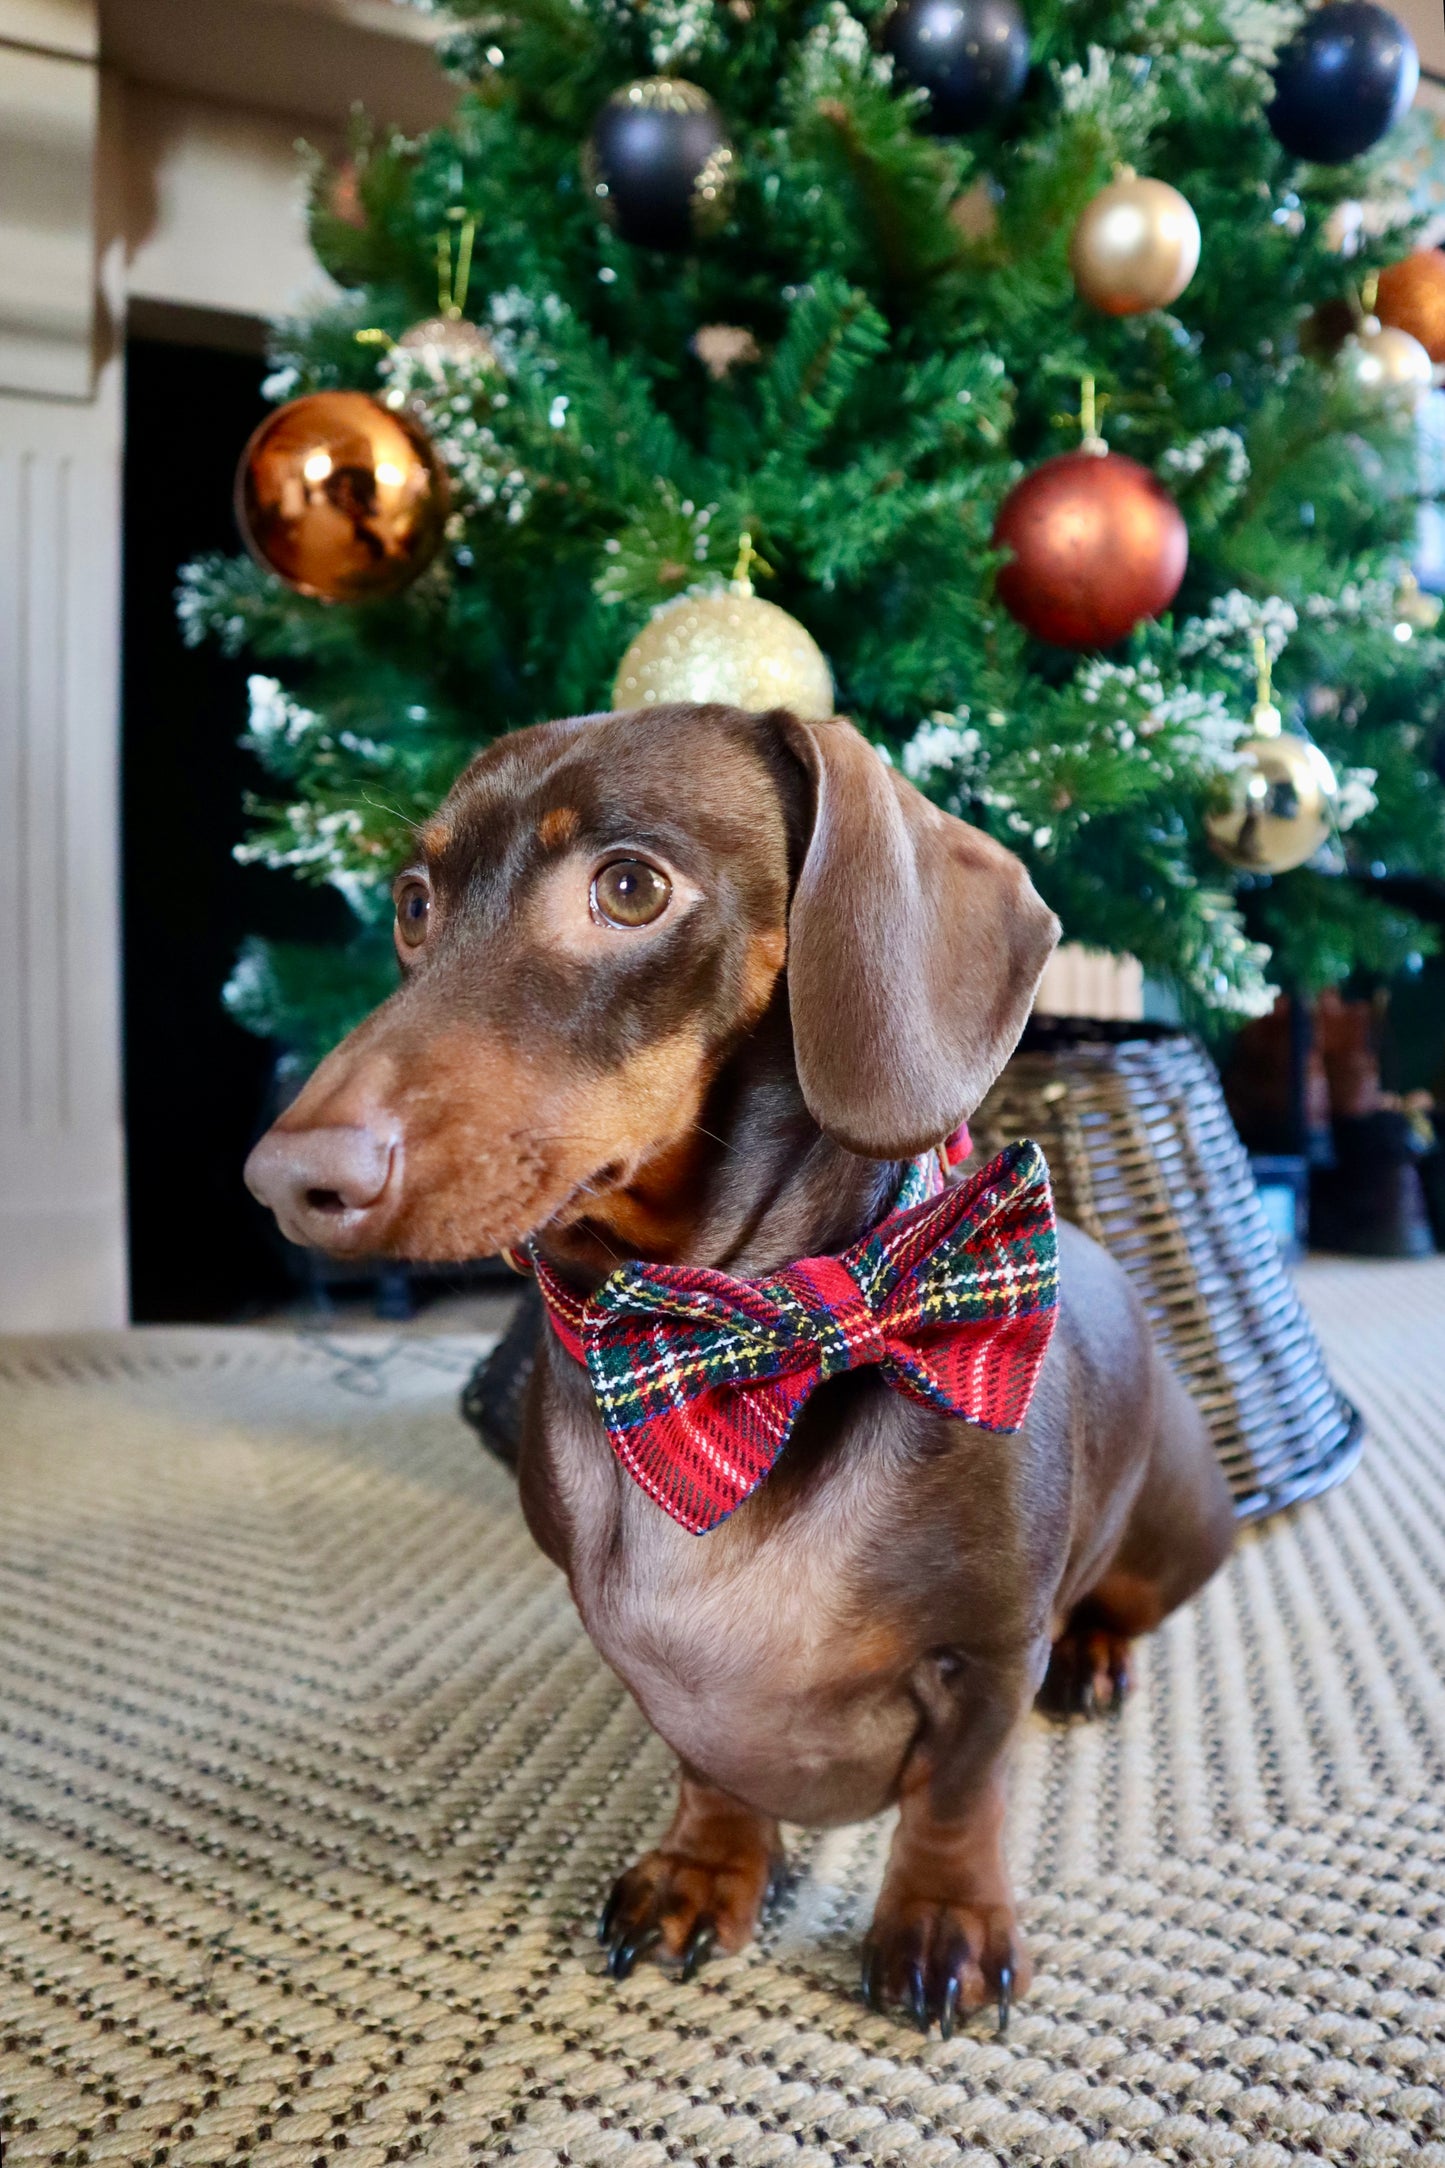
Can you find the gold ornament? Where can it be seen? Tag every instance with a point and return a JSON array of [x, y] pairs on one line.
[[726, 644], [722, 348], [1414, 609], [1381, 359], [455, 341], [1275, 809], [1135, 247], [451, 337], [341, 498]]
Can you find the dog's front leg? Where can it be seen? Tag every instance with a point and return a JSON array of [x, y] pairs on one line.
[[703, 1887], [945, 1935]]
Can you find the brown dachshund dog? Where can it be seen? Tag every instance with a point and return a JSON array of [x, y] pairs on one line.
[[689, 985]]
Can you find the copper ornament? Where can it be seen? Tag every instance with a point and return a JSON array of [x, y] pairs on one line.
[[1135, 246], [1098, 544], [1411, 297], [343, 499]]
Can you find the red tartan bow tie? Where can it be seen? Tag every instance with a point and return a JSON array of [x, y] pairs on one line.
[[699, 1376]]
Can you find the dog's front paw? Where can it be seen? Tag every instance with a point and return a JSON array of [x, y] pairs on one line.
[[683, 1907], [936, 1958]]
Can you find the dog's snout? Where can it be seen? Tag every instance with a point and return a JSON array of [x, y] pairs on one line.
[[324, 1185]]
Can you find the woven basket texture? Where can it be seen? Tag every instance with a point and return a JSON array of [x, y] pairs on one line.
[[310, 1785], [1145, 1157]]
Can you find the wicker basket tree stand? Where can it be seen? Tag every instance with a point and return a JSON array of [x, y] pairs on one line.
[[1145, 1158]]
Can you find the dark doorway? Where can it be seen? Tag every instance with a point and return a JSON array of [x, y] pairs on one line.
[[195, 1084]]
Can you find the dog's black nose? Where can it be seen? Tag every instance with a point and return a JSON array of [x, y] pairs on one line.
[[325, 1186]]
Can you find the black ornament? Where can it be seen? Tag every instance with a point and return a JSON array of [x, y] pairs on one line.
[[971, 56], [659, 162], [1346, 76]]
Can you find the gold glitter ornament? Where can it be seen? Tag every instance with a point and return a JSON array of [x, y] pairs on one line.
[[726, 644], [1275, 809]]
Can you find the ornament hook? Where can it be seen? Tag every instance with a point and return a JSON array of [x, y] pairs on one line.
[[452, 285], [1265, 720], [1092, 403], [741, 582]]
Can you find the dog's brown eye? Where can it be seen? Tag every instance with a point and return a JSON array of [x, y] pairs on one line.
[[629, 892], [413, 911]]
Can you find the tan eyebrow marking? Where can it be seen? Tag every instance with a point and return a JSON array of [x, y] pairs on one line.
[[558, 827], [435, 837]]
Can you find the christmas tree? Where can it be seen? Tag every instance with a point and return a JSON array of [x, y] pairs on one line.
[[866, 332]]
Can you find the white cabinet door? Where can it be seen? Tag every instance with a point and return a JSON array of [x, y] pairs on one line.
[[62, 1222]]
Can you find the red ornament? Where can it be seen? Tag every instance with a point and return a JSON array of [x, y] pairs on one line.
[[1098, 544]]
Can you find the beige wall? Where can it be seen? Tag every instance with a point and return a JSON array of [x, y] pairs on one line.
[[214, 214], [147, 156], [1426, 24]]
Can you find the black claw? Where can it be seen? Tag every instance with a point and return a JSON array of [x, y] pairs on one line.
[[608, 1918], [777, 1881], [872, 1982], [628, 1948], [699, 1947], [918, 1997], [949, 2008], [1005, 1997]]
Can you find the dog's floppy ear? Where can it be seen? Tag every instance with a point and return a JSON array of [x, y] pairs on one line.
[[915, 947]]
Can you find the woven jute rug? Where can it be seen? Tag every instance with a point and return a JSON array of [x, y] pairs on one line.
[[310, 1785]]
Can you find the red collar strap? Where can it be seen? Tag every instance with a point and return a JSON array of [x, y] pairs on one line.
[[699, 1376]]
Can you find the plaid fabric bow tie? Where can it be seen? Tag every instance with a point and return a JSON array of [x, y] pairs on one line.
[[699, 1377]]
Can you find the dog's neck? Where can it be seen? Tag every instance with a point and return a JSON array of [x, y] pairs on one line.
[[753, 1185]]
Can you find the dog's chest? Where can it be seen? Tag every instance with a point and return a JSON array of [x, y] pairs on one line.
[[763, 1660]]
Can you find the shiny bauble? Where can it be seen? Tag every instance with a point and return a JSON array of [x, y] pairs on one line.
[[1343, 80], [443, 342], [971, 56], [1411, 297], [1390, 363], [725, 644], [1274, 810], [1098, 545], [342, 498], [659, 163], [1135, 246]]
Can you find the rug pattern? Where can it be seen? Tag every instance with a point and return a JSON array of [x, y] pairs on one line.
[[310, 1785]]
